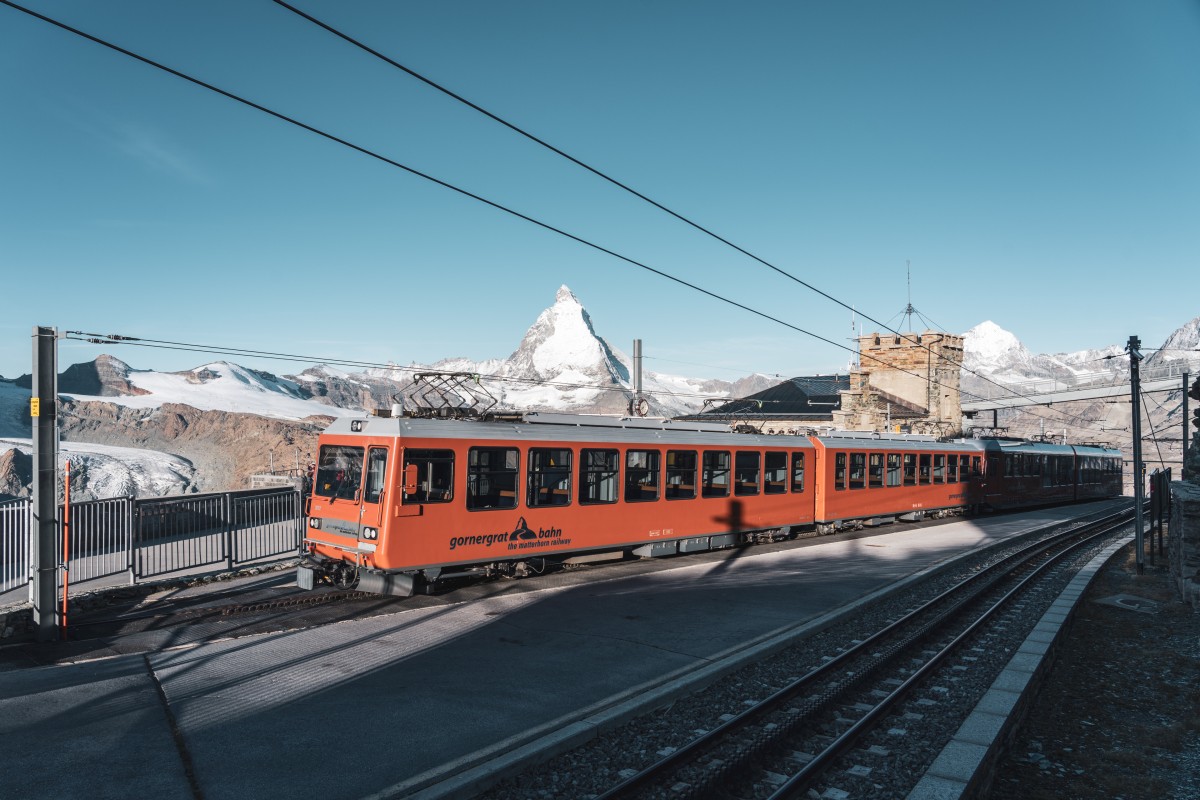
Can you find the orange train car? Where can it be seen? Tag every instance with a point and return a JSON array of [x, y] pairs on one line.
[[401, 502], [865, 477]]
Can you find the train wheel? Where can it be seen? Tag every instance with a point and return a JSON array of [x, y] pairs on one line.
[[345, 577]]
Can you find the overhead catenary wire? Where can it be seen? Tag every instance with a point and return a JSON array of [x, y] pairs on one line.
[[426, 176], [120, 339], [494, 204], [624, 186], [94, 338]]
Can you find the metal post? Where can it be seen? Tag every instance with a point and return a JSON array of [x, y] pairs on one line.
[[637, 368], [637, 407], [1187, 418], [1135, 358], [229, 530], [132, 528], [43, 409]]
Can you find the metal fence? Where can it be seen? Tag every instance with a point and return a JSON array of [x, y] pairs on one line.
[[15, 516], [127, 539]]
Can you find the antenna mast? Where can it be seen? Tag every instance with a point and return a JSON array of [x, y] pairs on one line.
[[908, 309], [855, 360]]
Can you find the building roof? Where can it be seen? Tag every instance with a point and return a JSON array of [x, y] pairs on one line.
[[814, 398]]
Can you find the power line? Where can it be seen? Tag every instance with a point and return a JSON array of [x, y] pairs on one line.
[[419, 173], [599, 173], [159, 344], [492, 203], [162, 344]]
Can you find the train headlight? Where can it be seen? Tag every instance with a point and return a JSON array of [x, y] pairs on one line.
[[314, 523], [370, 533]]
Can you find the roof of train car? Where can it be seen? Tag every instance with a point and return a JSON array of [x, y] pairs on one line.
[[1095, 449], [1024, 446], [886, 443], [557, 428]]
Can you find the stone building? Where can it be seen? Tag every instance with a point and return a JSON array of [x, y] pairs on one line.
[[910, 380]]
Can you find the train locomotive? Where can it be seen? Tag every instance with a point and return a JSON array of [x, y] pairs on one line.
[[401, 504]]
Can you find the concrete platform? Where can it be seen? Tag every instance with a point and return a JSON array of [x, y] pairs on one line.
[[430, 700]]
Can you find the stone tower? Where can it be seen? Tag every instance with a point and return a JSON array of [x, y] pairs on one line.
[[914, 376]]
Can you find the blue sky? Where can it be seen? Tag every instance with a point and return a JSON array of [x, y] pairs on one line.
[[1037, 162]]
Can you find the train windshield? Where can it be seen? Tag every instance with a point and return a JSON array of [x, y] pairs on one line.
[[339, 472]]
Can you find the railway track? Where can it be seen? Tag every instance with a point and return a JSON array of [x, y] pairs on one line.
[[204, 610], [785, 745]]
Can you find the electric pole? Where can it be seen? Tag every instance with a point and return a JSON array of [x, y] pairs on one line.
[[43, 410], [1135, 357], [1186, 437]]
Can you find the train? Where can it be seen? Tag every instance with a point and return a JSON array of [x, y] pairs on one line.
[[404, 504]]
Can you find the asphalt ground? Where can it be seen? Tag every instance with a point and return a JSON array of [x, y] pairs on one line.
[[397, 700]]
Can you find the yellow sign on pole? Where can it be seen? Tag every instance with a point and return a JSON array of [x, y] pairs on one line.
[[35, 406]]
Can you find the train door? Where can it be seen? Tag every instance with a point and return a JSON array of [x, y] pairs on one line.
[[374, 493]]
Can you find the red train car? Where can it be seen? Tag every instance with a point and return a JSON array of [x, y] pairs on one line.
[[398, 501], [868, 478], [1021, 473]]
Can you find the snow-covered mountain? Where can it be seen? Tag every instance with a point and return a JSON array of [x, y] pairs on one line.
[[218, 386], [563, 364], [996, 353], [225, 421], [1183, 343], [100, 470]]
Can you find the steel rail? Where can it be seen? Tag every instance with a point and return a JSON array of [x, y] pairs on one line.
[[822, 760], [976, 584]]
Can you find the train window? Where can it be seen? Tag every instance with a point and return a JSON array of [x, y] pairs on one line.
[[893, 469], [939, 467], [964, 467], [435, 475], [549, 481], [492, 477], [875, 470], [376, 468], [775, 475], [839, 471], [339, 472], [681, 474], [746, 469], [910, 469], [951, 468], [1064, 471], [715, 480], [923, 472], [1008, 465], [797, 472], [858, 470], [598, 476], [976, 465], [641, 475]]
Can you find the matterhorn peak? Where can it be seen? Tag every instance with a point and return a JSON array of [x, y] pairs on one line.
[[563, 340], [565, 295]]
